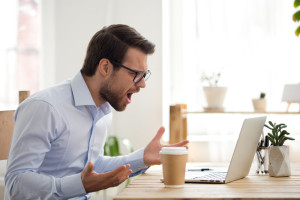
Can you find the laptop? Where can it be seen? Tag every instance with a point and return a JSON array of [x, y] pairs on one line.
[[241, 160]]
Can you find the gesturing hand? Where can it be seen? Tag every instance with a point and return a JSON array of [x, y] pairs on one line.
[[151, 153], [93, 181]]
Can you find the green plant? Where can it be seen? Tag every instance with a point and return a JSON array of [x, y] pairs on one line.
[[262, 95], [296, 16], [278, 136], [112, 147], [211, 79]]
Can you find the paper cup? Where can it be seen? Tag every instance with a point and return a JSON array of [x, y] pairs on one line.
[[173, 162]]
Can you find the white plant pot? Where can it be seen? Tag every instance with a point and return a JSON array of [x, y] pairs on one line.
[[215, 96], [279, 161], [259, 105]]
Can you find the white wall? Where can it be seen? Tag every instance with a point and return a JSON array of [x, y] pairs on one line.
[[68, 25]]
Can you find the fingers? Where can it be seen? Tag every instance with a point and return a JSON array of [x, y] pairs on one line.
[[179, 144], [118, 175], [123, 168], [86, 174], [93, 181], [182, 143]]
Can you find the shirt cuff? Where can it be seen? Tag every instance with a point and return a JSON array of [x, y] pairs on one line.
[[137, 163], [71, 186]]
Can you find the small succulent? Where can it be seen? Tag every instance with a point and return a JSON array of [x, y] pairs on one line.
[[278, 136], [262, 95], [211, 79]]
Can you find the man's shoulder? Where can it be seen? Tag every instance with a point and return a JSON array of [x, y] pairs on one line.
[[54, 95]]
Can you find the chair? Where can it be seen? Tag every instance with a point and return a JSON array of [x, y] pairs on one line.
[[6, 132]]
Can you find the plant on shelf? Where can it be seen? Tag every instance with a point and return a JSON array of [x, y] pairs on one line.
[[112, 148], [262, 95], [260, 104], [212, 79], [296, 16], [279, 162], [214, 94]]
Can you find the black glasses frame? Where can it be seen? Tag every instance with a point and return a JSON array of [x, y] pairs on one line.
[[145, 75]]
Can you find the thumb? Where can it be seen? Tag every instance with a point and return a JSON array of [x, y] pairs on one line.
[[159, 133], [89, 168]]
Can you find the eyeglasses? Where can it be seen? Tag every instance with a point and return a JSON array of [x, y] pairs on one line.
[[139, 75]]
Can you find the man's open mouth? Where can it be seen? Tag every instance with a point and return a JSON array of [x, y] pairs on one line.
[[129, 97]]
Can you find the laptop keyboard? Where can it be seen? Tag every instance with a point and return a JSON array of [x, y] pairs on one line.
[[213, 177]]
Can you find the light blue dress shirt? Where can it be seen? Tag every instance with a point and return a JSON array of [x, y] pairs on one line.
[[57, 131]]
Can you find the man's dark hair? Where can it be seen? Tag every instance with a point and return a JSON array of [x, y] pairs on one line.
[[112, 42]]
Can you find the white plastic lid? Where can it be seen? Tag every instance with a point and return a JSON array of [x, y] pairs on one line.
[[173, 150]]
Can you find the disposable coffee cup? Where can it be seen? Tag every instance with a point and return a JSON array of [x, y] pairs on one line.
[[173, 162]]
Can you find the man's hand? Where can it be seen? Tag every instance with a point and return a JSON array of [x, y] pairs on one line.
[[93, 181], [151, 153]]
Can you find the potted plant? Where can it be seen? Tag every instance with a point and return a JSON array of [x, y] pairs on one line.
[[260, 104], [296, 16], [113, 147], [279, 161], [215, 95]]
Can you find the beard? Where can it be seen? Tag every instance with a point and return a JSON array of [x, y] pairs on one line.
[[114, 99]]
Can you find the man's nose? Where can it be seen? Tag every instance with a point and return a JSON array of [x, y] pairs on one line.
[[141, 84]]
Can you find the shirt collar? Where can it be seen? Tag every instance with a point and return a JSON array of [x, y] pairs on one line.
[[81, 92], [105, 108]]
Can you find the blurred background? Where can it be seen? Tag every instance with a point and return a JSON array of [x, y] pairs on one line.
[[252, 44]]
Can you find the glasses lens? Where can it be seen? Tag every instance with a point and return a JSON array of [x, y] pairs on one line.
[[138, 77], [141, 75], [147, 75]]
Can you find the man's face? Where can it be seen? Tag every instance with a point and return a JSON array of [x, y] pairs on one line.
[[119, 87]]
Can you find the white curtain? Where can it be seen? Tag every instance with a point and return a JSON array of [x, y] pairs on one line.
[[8, 41], [19, 50]]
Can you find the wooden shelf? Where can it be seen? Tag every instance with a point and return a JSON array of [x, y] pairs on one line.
[[178, 119]]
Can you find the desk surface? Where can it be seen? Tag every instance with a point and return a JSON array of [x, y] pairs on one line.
[[148, 186]]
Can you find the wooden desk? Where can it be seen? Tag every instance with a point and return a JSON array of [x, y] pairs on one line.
[[148, 186]]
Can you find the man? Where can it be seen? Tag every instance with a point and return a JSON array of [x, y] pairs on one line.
[[57, 146]]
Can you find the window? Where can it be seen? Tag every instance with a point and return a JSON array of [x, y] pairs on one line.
[[252, 44], [19, 50]]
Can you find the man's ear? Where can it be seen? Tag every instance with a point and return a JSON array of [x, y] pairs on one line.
[[104, 67]]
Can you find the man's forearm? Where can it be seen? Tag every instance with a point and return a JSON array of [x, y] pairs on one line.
[[31, 185], [135, 159]]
